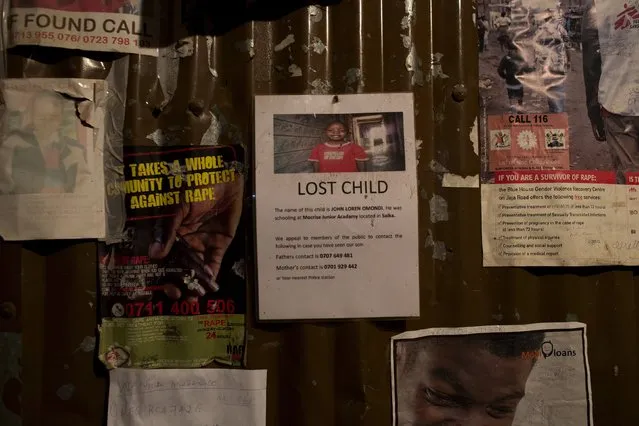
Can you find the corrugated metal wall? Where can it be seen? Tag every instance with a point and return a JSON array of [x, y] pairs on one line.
[[321, 373]]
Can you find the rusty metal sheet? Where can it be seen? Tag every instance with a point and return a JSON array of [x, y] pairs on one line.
[[319, 373]]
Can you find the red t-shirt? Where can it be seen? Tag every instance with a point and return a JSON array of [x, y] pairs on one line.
[[338, 158]]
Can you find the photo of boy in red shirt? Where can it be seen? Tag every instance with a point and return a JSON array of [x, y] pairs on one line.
[[336, 155]]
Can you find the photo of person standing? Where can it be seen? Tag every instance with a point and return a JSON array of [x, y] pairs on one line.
[[511, 67], [502, 24], [610, 37]]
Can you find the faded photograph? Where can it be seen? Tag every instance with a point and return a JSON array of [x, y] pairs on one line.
[[535, 377], [41, 150], [339, 143]]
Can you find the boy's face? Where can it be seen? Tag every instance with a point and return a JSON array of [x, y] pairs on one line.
[[336, 132], [459, 384]]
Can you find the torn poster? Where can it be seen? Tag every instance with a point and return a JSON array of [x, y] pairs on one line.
[[336, 206], [173, 288], [128, 26], [560, 134], [51, 159], [521, 375], [194, 397]]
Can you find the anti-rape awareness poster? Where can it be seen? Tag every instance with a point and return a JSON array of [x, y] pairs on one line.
[[173, 289], [128, 26], [336, 206], [560, 139]]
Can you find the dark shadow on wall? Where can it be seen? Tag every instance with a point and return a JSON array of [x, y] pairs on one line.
[[381, 135], [211, 17]]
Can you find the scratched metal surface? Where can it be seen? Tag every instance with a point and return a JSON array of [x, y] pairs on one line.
[[320, 373]]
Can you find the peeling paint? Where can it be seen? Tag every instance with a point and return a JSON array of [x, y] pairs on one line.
[[87, 344], [406, 22], [517, 316], [288, 40], [436, 66], [314, 383], [418, 148], [247, 45], [168, 64], [414, 66], [436, 167], [212, 135], [295, 70], [439, 247], [209, 54], [452, 180], [162, 138], [409, 7], [354, 76], [438, 209], [239, 268], [615, 371], [321, 87], [474, 137], [318, 45], [65, 392], [406, 41], [315, 13]]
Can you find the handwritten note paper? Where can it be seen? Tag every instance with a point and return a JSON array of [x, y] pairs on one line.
[[198, 397]]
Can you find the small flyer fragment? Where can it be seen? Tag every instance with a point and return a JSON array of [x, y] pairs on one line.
[[336, 206], [512, 375], [559, 133], [173, 290], [127, 26]]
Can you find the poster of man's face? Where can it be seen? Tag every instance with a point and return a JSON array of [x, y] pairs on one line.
[[491, 378]]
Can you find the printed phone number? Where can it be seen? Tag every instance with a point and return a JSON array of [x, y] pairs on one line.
[[184, 307], [333, 255], [22, 36], [339, 266]]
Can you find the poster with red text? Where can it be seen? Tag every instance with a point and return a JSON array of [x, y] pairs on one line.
[[128, 26], [173, 288], [560, 133]]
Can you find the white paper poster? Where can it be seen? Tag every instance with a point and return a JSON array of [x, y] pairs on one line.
[[194, 397], [336, 206], [129, 26], [51, 159], [519, 375]]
